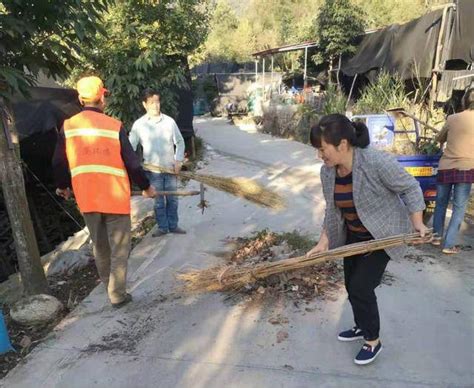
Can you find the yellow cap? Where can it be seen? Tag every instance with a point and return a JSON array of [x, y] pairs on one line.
[[90, 89]]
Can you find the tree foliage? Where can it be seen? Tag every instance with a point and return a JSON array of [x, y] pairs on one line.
[[223, 30], [338, 25], [381, 13], [241, 27], [278, 22], [43, 36], [146, 45]]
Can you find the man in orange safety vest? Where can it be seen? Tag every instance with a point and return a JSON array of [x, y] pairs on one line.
[[94, 157]]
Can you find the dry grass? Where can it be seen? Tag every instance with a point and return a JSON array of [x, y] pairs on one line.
[[234, 277], [239, 187]]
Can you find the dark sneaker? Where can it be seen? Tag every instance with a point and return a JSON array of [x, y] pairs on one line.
[[127, 299], [368, 354], [353, 334], [178, 230], [160, 233]]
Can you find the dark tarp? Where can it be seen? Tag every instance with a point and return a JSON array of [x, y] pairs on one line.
[[44, 109], [407, 49], [414, 46], [372, 52], [184, 120], [463, 35], [235, 84]]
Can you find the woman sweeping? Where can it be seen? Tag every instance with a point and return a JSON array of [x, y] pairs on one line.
[[368, 195]]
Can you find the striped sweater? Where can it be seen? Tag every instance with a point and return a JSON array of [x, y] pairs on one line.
[[344, 200]]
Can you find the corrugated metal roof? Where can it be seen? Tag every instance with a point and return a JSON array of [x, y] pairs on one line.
[[286, 48]]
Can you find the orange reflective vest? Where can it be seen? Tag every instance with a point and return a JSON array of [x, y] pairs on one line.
[[99, 178]]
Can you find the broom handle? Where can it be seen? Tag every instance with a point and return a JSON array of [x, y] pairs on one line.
[[176, 193], [334, 254]]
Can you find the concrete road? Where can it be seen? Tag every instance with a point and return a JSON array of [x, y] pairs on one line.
[[166, 339]]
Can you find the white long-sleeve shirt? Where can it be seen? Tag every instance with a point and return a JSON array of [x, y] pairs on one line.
[[158, 136]]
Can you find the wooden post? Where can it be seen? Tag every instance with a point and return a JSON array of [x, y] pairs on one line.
[[436, 67], [350, 92], [256, 71], [305, 82], [14, 194], [272, 77], [338, 70]]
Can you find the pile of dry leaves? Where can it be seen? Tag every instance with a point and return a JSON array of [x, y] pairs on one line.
[[303, 284]]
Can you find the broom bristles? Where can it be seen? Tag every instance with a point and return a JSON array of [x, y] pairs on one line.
[[232, 277], [240, 187]]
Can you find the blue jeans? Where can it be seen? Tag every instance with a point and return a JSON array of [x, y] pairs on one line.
[[461, 192], [166, 207]]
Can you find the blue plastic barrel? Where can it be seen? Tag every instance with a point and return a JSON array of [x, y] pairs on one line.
[[5, 345], [200, 107]]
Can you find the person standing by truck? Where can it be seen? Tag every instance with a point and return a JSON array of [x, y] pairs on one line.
[[368, 195], [455, 174]]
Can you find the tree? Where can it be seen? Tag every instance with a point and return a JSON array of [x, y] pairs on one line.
[[26, 247], [381, 13], [338, 24], [35, 36], [222, 33], [42, 36], [263, 24], [239, 28], [147, 45]]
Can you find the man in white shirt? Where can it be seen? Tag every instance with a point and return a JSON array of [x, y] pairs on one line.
[[163, 146]]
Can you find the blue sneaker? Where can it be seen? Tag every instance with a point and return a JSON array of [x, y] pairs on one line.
[[353, 334], [368, 354]]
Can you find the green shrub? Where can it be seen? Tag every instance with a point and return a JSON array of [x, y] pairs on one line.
[[388, 91], [305, 117], [428, 147], [334, 101]]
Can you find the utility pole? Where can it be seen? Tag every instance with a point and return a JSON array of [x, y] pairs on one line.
[[11, 175]]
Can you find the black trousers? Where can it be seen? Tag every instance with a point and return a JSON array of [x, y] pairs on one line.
[[362, 275]]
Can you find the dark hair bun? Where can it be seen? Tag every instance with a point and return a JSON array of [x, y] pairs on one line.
[[335, 127], [362, 134]]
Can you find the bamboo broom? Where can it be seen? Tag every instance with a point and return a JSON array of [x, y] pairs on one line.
[[233, 277], [240, 187]]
